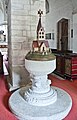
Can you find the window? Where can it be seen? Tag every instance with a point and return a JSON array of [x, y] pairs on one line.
[[47, 6], [48, 35]]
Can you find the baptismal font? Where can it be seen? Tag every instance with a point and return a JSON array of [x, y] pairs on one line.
[[40, 100]]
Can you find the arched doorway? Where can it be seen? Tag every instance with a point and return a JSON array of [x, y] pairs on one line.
[[62, 34]]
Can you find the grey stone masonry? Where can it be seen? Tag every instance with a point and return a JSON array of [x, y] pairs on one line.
[[22, 25]]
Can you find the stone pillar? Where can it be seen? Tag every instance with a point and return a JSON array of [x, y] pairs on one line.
[[22, 24]]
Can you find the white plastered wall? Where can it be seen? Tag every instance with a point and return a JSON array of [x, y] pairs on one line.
[[59, 9], [75, 32]]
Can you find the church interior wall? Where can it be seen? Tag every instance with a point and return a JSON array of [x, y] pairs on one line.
[[75, 32], [57, 10], [23, 19], [22, 25]]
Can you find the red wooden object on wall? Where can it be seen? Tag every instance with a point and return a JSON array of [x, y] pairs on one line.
[[60, 65], [71, 66], [66, 65]]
